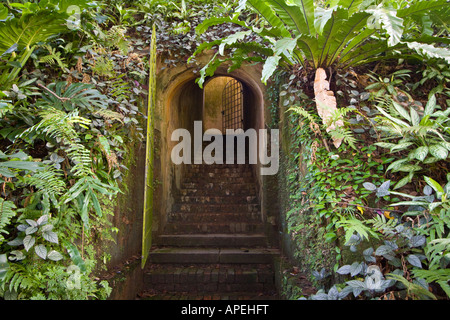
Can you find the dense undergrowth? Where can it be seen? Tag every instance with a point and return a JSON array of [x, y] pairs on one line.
[[369, 219]]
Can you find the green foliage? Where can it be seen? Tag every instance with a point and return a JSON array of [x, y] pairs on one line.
[[54, 204], [423, 134], [344, 33], [6, 213]]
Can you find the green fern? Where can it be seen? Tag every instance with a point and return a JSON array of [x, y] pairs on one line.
[[120, 89], [75, 96], [50, 185], [17, 278], [54, 57], [352, 225], [59, 125], [414, 289], [343, 133], [379, 223], [7, 212], [336, 133], [440, 276]]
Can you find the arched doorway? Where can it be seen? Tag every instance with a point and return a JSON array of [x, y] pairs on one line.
[[232, 106], [223, 104]]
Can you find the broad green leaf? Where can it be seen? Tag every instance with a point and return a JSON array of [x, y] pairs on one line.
[[387, 17], [438, 151], [322, 16], [41, 251], [408, 168], [285, 46], [385, 145], [3, 12], [410, 203], [415, 118], [414, 260], [203, 27], [50, 236], [421, 7], [104, 144], [22, 165], [54, 255], [75, 256], [269, 68], [269, 15], [393, 119], [28, 242], [369, 186], [30, 29], [235, 37], [433, 183], [4, 266], [421, 153], [297, 15], [401, 146], [396, 164], [430, 51], [402, 182], [402, 111]]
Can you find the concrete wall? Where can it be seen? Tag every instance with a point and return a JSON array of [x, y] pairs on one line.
[[212, 106]]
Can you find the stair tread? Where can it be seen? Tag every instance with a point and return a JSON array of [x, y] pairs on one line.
[[211, 255]]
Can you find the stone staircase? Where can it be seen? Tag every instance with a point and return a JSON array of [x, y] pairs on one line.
[[213, 246]]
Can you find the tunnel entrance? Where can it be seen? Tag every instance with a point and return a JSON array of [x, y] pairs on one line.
[[213, 215]]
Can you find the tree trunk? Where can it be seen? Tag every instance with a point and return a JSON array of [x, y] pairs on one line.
[[326, 103]]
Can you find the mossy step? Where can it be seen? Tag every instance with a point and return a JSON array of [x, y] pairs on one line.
[[212, 255], [213, 227], [216, 217], [212, 240]]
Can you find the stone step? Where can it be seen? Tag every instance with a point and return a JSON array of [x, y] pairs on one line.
[[216, 174], [218, 199], [209, 217], [216, 208], [217, 295], [210, 278], [221, 167], [195, 255], [213, 227], [212, 240], [242, 191], [219, 185]]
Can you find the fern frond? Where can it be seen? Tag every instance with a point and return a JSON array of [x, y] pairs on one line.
[[439, 276], [82, 159], [49, 181], [109, 115], [345, 134], [53, 57], [76, 95], [302, 112], [6, 214], [59, 125], [379, 223], [120, 89], [56, 123]]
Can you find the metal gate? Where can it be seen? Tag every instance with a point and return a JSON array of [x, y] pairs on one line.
[[232, 104]]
